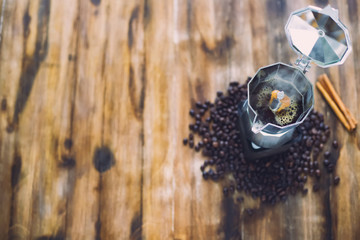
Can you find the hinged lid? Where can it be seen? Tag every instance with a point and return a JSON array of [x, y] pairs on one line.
[[318, 35]]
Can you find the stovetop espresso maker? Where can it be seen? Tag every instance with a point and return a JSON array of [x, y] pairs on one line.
[[280, 97]]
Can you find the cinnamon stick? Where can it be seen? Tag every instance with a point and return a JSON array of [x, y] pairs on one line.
[[351, 116], [333, 94], [333, 105], [322, 81]]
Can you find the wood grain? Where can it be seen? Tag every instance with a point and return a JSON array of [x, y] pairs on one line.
[[94, 100]]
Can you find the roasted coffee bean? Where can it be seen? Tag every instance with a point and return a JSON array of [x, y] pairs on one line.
[[336, 180], [335, 144], [316, 150], [198, 104], [327, 133], [326, 162], [316, 187], [191, 136], [330, 169], [327, 154], [314, 131], [309, 142], [304, 179], [185, 141], [311, 165], [234, 84], [214, 177]]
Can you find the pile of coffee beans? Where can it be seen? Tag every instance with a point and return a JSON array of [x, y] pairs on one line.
[[271, 179]]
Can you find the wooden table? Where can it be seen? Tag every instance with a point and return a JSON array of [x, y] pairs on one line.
[[95, 97]]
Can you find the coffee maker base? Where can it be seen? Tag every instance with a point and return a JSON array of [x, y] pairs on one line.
[[253, 151]]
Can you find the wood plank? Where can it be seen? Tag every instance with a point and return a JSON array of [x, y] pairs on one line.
[[123, 130], [343, 207], [87, 127], [210, 41], [16, 182], [158, 166], [183, 175], [6, 184], [199, 43]]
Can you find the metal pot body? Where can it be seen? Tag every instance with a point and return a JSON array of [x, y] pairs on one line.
[[270, 135]]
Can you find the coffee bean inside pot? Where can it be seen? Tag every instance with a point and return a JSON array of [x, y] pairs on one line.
[[271, 178]]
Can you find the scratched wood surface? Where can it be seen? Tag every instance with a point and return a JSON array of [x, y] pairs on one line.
[[94, 100]]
